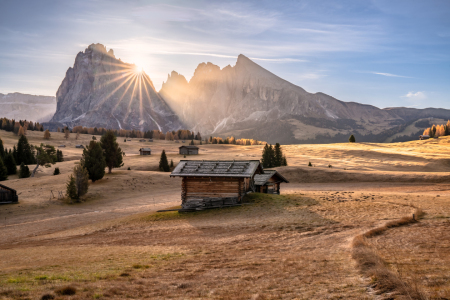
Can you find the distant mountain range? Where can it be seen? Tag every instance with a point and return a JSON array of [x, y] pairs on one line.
[[244, 100], [27, 107], [248, 101]]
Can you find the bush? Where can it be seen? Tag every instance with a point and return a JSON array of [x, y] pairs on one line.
[[47, 297], [309, 164], [56, 172], [66, 291], [24, 171], [171, 163], [352, 139], [71, 189], [129, 169]]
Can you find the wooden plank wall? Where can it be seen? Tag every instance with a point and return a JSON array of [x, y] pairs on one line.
[[214, 187]]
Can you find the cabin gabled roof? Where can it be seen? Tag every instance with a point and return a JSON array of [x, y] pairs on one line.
[[262, 179], [145, 149], [8, 188], [217, 168], [189, 147]]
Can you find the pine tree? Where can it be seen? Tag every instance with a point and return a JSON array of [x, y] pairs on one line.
[[163, 163], [59, 156], [113, 153], [278, 155], [284, 162], [71, 190], [81, 176], [10, 164], [3, 171], [24, 171], [45, 156], [352, 139], [94, 161], [47, 134], [24, 152], [2, 149]]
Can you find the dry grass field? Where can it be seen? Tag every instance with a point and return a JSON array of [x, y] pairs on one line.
[[114, 245]]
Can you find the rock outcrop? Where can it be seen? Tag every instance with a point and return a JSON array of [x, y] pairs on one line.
[[102, 91]]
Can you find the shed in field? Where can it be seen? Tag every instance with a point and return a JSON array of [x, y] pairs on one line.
[[145, 151], [208, 184], [142, 141], [188, 150], [79, 146], [269, 182], [8, 195], [424, 137]]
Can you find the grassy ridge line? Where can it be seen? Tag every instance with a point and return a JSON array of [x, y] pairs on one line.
[[373, 266]]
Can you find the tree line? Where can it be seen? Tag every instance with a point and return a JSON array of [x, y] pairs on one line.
[[19, 127], [438, 130], [26, 154]]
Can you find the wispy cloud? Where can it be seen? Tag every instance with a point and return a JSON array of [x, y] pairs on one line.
[[390, 75], [417, 96]]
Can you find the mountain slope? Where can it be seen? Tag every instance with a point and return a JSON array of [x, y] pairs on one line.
[[248, 101], [102, 91], [27, 107]]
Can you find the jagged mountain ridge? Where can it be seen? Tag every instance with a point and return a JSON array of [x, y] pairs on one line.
[[246, 100], [20, 106], [102, 91]]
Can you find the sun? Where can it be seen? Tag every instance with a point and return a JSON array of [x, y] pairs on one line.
[[138, 69]]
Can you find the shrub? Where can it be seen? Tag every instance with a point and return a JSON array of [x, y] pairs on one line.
[[24, 171], [71, 189], [352, 139], [129, 169], [47, 297], [171, 163], [56, 172], [309, 164], [66, 291]]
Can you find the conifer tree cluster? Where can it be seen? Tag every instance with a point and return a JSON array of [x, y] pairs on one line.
[[19, 127], [78, 183], [272, 156], [94, 161]]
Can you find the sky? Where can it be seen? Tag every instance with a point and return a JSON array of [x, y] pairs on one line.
[[386, 53]]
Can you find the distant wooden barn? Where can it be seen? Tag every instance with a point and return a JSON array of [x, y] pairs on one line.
[[145, 151], [208, 184], [79, 146], [188, 150], [269, 182], [424, 137], [8, 195]]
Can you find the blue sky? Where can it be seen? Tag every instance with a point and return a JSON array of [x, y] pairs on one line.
[[380, 52]]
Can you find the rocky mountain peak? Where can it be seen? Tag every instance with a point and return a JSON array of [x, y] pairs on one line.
[[102, 91]]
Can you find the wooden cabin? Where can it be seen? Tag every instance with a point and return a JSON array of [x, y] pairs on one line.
[[424, 137], [269, 182], [142, 141], [145, 151], [79, 146], [188, 150], [8, 195], [209, 184]]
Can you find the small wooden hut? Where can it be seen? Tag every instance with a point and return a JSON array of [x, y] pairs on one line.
[[8, 195], [269, 182], [145, 151], [209, 184], [188, 150]]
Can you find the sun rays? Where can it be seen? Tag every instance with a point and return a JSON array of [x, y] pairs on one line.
[[130, 84]]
